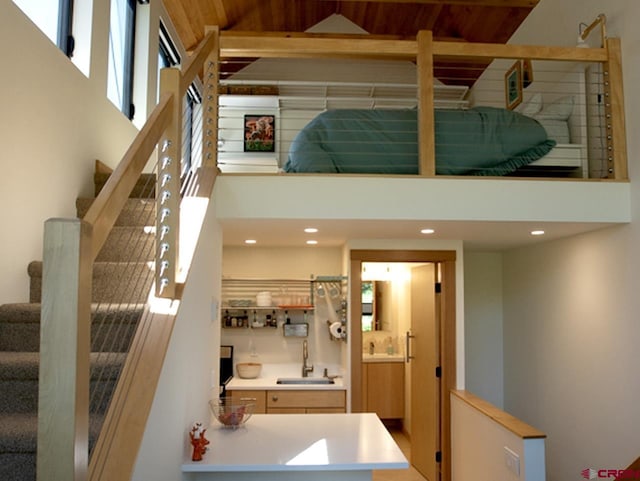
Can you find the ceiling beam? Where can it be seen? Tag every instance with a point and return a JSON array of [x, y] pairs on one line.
[[475, 3]]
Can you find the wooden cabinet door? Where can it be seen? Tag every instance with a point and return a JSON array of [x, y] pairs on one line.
[[385, 389], [259, 396], [305, 399]]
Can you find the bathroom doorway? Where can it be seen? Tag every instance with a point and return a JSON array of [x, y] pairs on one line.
[[430, 440]]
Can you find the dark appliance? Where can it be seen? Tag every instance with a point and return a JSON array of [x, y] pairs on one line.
[[226, 367]]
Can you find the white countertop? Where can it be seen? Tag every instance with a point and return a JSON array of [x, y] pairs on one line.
[[301, 442], [271, 372]]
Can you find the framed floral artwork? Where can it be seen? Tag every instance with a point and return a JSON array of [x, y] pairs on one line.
[[259, 133]]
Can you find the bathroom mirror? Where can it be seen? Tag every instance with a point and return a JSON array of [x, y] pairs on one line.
[[374, 294]]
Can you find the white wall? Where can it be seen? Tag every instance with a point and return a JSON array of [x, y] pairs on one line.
[[571, 326], [189, 375], [284, 263], [483, 325], [479, 445], [55, 122]]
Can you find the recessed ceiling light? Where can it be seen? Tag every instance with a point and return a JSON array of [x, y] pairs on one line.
[[250, 241], [312, 242], [537, 232], [427, 231], [311, 230]]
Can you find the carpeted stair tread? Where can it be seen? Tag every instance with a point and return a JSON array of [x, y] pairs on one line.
[[113, 326], [23, 366], [19, 432], [140, 212], [145, 186], [30, 311], [107, 285]]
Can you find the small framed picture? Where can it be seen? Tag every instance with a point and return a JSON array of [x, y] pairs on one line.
[[513, 85], [259, 133]]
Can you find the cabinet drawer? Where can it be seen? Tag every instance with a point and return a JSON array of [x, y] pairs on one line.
[[259, 396], [305, 399]]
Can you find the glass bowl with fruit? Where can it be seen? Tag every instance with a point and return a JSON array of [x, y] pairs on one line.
[[232, 413]]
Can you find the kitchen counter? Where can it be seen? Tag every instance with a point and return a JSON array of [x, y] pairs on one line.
[[271, 372], [310, 447]]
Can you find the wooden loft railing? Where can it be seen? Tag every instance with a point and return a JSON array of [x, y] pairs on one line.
[[424, 51], [70, 249]]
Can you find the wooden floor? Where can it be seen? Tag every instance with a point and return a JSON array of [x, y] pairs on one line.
[[399, 474]]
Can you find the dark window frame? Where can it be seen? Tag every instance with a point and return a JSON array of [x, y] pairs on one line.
[[66, 42]]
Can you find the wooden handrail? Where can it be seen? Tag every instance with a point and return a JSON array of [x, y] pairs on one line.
[[506, 420], [195, 63], [245, 44], [109, 203]]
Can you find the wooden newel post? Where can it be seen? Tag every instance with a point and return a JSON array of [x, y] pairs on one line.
[[426, 127], [168, 190], [614, 110], [63, 400]]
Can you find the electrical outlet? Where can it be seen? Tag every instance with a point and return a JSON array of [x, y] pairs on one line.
[[512, 460]]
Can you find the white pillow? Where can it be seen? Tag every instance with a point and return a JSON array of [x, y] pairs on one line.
[[532, 106], [559, 109]]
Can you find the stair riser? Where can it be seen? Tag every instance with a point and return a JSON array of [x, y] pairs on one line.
[[135, 213], [21, 397], [125, 244], [112, 283], [18, 466], [17, 337]]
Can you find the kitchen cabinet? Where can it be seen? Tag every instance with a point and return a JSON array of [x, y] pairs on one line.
[[305, 401], [277, 401], [383, 389], [238, 395]]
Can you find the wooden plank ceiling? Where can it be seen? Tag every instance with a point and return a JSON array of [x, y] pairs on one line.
[[491, 21]]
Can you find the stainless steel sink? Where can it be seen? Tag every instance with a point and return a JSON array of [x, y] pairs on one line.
[[304, 380]]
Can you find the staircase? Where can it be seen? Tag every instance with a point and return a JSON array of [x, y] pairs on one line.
[[122, 277]]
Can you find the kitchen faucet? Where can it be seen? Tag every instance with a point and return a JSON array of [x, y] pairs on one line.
[[305, 355]]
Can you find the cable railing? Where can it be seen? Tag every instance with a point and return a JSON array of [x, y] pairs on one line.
[[112, 284], [423, 108]]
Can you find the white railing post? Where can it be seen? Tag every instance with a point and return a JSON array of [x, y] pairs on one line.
[[63, 400], [168, 190]]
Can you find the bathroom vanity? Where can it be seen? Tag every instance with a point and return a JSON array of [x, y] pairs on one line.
[[313, 447]]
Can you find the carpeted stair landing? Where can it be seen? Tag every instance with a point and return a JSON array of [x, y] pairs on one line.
[[116, 310]]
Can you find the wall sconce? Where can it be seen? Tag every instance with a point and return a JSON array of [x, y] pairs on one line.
[[600, 20]]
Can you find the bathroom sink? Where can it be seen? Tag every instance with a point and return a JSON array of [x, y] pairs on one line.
[[304, 380]]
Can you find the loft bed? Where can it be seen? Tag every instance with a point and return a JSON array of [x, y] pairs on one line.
[[590, 138], [476, 141]]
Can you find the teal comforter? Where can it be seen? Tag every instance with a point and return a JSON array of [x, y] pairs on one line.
[[478, 141]]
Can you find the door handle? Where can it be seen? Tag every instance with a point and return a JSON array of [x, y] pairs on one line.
[[407, 350]]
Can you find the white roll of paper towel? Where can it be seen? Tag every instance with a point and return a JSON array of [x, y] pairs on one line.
[[336, 329]]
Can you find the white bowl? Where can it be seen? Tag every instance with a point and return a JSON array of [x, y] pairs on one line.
[[249, 370]]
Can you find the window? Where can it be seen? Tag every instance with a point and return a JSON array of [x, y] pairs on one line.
[[66, 42], [55, 19], [121, 43], [168, 56]]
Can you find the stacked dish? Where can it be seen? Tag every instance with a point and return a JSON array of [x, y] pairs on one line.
[[263, 299]]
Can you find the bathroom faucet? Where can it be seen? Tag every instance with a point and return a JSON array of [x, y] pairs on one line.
[[305, 355], [372, 348]]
